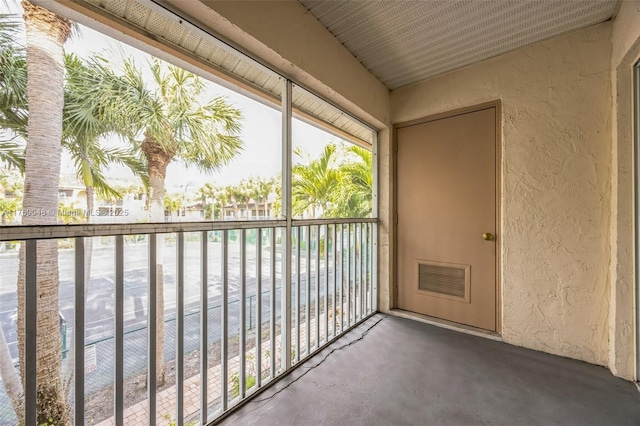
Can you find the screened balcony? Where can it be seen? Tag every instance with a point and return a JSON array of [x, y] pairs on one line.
[[245, 308], [277, 309], [171, 295]]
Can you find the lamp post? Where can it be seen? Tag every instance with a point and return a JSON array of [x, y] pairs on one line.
[[184, 201]]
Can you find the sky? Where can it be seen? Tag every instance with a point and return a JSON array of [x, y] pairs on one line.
[[261, 126]]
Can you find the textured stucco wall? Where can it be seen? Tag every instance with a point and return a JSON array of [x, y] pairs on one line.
[[625, 53], [556, 175]]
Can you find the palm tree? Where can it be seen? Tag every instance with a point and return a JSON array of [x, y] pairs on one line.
[[261, 188], [173, 203], [223, 196], [276, 206], [46, 34], [208, 196], [314, 184], [251, 191], [354, 196], [246, 191], [167, 121], [236, 195], [81, 130], [84, 127], [165, 118]]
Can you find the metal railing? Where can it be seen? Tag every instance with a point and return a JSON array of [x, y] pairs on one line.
[[331, 287]]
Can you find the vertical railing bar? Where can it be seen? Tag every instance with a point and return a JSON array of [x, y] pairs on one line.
[[307, 294], [180, 331], [151, 329], [118, 396], [31, 329], [374, 227], [243, 313], [349, 274], [370, 266], [362, 270], [365, 268], [342, 264], [79, 330], [363, 297], [326, 283], [317, 304], [334, 243], [224, 315], [374, 267], [356, 271], [272, 299], [354, 266], [204, 325], [287, 152], [298, 292], [365, 254], [258, 325], [363, 278], [354, 298], [370, 276]]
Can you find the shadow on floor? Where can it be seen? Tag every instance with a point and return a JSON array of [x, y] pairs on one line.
[[404, 372]]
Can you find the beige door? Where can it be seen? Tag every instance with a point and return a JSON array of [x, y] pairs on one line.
[[446, 189]]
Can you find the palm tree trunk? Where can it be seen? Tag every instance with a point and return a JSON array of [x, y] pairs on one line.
[[157, 161], [10, 377], [46, 34], [235, 210]]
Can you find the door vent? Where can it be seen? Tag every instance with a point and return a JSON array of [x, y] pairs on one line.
[[444, 280]]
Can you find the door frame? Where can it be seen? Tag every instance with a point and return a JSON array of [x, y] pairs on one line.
[[636, 206], [497, 104]]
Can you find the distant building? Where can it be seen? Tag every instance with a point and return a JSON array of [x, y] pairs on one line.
[[132, 207], [249, 211]]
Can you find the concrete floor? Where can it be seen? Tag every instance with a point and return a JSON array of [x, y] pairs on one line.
[[404, 372]]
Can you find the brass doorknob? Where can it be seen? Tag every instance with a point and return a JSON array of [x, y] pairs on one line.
[[487, 236]]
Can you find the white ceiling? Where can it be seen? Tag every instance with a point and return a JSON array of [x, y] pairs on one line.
[[402, 42]]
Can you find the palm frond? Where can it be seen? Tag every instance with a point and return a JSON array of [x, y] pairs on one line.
[[12, 155], [13, 77]]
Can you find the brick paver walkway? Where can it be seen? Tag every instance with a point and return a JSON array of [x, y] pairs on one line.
[[138, 414]]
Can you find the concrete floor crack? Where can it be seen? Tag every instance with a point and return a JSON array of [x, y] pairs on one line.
[[308, 369]]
